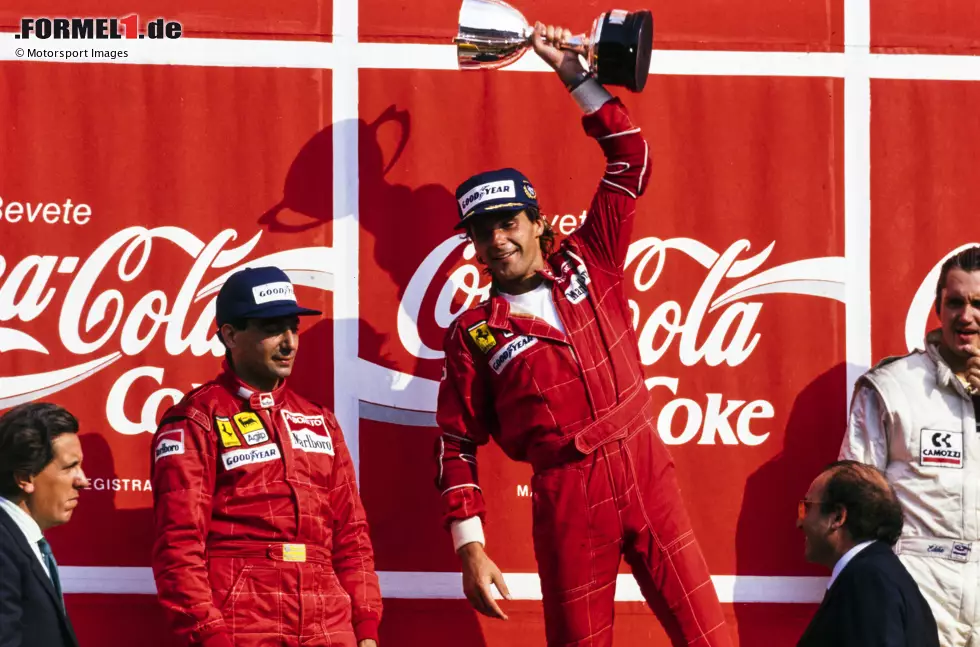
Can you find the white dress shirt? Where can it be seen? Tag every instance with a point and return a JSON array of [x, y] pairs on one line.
[[843, 561], [32, 531]]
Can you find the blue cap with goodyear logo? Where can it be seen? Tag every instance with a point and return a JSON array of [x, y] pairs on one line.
[[257, 293], [502, 190]]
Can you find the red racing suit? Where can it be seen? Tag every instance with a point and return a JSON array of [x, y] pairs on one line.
[[261, 538], [574, 406]]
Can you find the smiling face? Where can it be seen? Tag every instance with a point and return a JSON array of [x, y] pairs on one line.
[[52, 494], [816, 525], [959, 313], [264, 351], [509, 244]]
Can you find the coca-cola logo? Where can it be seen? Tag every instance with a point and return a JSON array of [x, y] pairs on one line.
[[98, 327], [129, 324], [671, 326]]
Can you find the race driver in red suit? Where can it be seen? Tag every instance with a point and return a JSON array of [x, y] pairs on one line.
[[261, 539], [549, 368]]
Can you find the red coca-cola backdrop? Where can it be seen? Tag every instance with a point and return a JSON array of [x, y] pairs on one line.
[[790, 236]]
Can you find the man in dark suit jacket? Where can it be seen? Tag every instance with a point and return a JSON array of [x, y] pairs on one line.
[[40, 476], [851, 519]]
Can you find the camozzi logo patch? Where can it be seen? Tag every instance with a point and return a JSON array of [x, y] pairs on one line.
[[941, 448], [488, 191], [511, 350]]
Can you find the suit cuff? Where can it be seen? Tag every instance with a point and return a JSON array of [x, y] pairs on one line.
[[466, 532], [590, 96], [366, 629]]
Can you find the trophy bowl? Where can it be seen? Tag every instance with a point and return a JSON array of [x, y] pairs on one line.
[[492, 34]]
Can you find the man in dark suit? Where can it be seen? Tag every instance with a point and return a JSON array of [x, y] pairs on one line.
[[40, 476], [851, 519]]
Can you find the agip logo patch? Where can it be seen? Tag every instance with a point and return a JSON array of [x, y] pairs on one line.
[[248, 421]]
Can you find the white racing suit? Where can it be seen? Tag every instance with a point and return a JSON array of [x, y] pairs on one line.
[[912, 418]]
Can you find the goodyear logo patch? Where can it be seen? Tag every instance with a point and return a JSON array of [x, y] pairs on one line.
[[241, 457], [280, 291], [248, 421], [507, 354], [481, 335], [489, 191], [227, 433]]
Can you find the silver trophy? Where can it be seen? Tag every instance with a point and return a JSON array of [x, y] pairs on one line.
[[492, 34]]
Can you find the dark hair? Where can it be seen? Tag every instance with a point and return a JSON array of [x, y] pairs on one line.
[[968, 260], [547, 239], [237, 324], [873, 509], [26, 432]]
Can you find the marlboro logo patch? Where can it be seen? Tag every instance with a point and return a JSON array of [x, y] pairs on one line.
[[169, 443]]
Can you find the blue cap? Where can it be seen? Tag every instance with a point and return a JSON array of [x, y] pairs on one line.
[[502, 190], [257, 293]]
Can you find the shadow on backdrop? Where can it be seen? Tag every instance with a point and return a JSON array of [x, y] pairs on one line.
[[767, 540], [389, 215]]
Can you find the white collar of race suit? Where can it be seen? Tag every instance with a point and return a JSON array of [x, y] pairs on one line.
[[256, 399], [944, 374]]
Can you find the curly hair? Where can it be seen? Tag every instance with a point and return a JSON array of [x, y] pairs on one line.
[[967, 260], [873, 509], [547, 239]]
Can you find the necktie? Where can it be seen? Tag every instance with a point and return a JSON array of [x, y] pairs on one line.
[[52, 566]]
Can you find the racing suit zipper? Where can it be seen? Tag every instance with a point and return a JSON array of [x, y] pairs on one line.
[[287, 459], [571, 349]]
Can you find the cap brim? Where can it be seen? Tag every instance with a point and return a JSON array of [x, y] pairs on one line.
[[485, 212], [280, 310]]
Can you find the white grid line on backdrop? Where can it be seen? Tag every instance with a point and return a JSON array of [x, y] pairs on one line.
[[135, 580], [345, 56]]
